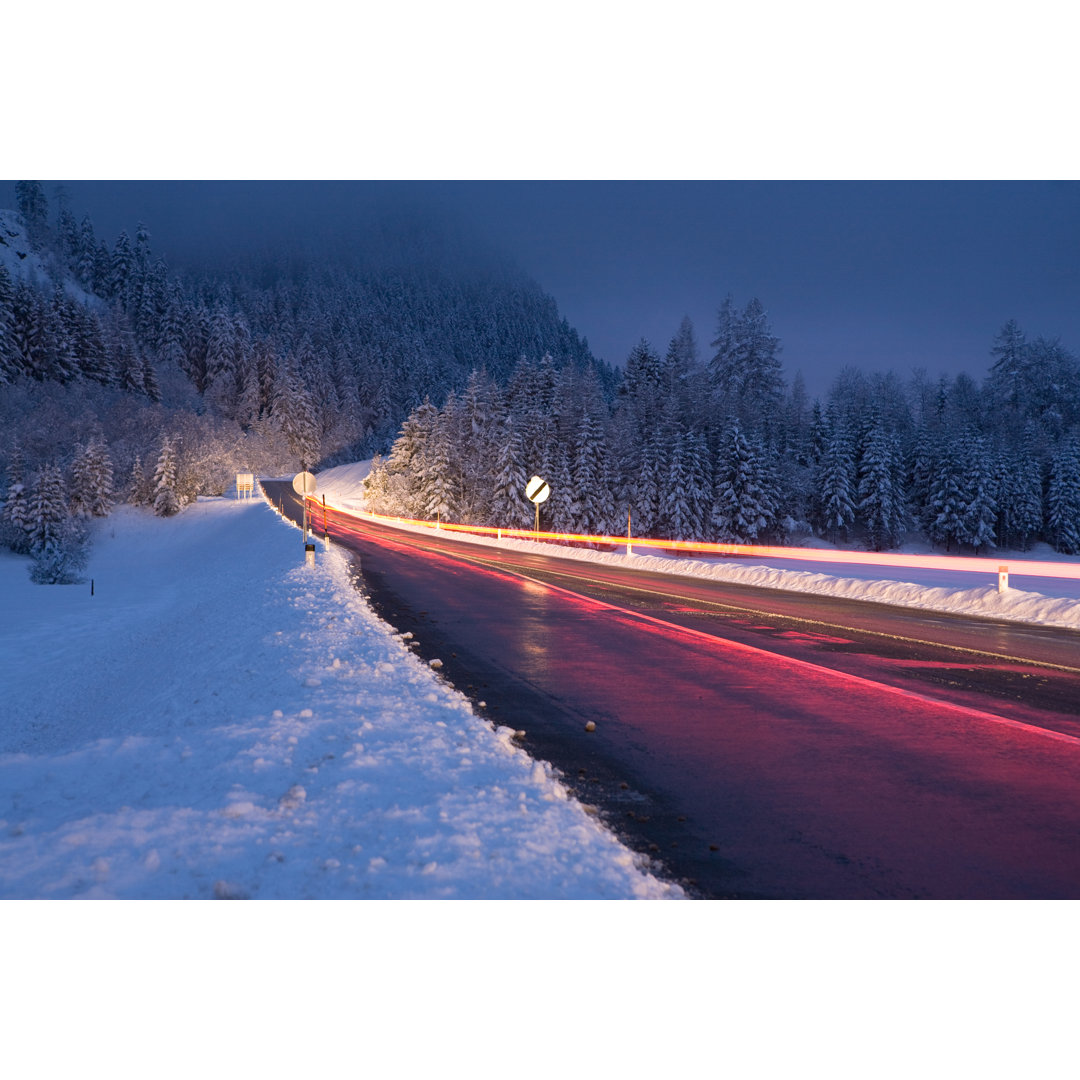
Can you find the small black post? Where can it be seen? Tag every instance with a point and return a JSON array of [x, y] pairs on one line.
[[91, 586]]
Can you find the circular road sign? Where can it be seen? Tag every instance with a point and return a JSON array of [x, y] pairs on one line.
[[304, 483], [537, 490]]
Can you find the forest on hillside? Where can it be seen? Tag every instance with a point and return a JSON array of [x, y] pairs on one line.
[[123, 381]]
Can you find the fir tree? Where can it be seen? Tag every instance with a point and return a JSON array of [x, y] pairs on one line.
[[82, 481], [1063, 498], [836, 480], [57, 543], [745, 499], [10, 361], [509, 505], [15, 517], [166, 498], [881, 500], [139, 492], [47, 512], [980, 511], [33, 204]]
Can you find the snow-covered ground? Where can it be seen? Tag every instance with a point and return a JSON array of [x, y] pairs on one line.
[[1047, 600], [220, 720]]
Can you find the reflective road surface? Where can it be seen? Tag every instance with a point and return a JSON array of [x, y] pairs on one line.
[[754, 743]]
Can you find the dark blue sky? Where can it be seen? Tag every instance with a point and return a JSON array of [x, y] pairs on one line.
[[879, 275]]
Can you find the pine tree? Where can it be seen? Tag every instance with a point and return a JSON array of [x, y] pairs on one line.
[[10, 361], [745, 368], [47, 512], [881, 499], [980, 511], [82, 481], [648, 485], [836, 491], [57, 544], [745, 503], [947, 499], [509, 505], [679, 519], [1063, 497], [101, 469], [33, 204], [294, 413], [139, 492], [166, 498], [15, 517]]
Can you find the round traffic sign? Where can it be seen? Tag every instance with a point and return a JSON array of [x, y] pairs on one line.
[[537, 490], [304, 483]]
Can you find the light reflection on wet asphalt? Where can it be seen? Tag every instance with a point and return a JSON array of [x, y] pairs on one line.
[[758, 753]]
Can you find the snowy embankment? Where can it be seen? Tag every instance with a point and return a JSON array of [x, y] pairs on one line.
[[1048, 601], [219, 720]]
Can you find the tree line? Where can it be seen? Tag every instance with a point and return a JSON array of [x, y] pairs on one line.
[[723, 449]]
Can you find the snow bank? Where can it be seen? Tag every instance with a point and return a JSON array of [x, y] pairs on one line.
[[219, 720], [1055, 603]]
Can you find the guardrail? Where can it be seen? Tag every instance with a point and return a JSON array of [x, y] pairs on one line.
[[965, 563]]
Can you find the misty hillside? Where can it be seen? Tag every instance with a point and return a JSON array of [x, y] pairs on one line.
[[290, 360]]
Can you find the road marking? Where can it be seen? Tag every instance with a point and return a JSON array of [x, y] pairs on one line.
[[520, 570], [818, 669]]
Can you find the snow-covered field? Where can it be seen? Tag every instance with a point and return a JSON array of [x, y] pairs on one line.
[[220, 721], [1049, 601]]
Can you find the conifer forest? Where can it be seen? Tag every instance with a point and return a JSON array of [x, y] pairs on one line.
[[123, 381]]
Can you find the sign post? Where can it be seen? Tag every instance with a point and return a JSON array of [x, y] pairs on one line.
[[304, 484], [537, 491]]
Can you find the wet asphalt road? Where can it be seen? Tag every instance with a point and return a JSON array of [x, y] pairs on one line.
[[755, 743]]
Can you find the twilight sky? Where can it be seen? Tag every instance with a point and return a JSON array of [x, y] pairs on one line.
[[879, 275]]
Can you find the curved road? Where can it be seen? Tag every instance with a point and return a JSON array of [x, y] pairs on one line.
[[756, 743]]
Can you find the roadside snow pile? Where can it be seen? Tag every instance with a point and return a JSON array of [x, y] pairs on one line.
[[219, 720], [1056, 603]]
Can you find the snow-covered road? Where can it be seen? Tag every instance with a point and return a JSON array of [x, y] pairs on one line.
[[219, 720]]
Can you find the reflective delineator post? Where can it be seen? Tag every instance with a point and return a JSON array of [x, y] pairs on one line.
[[1003, 579], [325, 532], [629, 547]]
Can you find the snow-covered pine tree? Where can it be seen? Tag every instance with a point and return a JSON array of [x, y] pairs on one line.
[[81, 498], [648, 484], [677, 514], [15, 517], [57, 543], [947, 499], [139, 492], [10, 362], [33, 205], [46, 512], [836, 489], [1063, 497], [509, 506], [294, 412], [980, 511], [166, 499], [745, 500], [745, 368], [699, 484], [591, 507], [103, 495], [438, 476], [881, 495]]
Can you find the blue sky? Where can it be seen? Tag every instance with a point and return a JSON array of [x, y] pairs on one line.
[[878, 275]]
